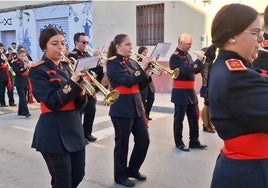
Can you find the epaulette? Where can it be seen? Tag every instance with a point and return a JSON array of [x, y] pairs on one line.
[[175, 53], [235, 65], [73, 52], [35, 64], [264, 44], [111, 58]]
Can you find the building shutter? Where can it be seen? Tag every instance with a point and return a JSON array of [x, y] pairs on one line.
[[60, 23]]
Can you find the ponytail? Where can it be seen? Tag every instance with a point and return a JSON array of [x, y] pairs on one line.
[[111, 50]]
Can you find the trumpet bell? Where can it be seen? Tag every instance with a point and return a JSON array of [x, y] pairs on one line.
[[175, 73], [111, 97]]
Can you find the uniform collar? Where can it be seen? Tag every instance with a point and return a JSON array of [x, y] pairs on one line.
[[181, 52], [52, 65], [225, 54]]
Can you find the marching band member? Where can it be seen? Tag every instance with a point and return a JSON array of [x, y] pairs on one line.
[[183, 94], [5, 80], [22, 83], [237, 99], [59, 134], [80, 51], [148, 92], [127, 113]]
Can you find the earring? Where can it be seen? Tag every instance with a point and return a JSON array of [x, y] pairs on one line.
[[232, 40]]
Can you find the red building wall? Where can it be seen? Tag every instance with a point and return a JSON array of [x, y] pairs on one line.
[[163, 83]]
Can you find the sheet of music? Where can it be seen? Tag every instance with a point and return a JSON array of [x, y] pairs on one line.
[[86, 63]]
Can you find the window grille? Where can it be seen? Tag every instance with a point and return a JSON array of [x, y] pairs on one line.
[[150, 24]]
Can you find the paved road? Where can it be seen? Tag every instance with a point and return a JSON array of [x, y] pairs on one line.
[[165, 166]]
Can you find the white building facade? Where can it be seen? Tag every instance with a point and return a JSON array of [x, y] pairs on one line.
[[146, 22]]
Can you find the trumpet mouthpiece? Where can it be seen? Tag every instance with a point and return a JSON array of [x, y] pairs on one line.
[[262, 49]]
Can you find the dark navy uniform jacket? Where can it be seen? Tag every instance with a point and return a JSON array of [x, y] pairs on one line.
[[3, 67], [57, 131], [21, 79], [188, 69], [238, 99], [121, 71]]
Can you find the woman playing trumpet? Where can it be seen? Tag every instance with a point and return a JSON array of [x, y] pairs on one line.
[[22, 83], [127, 113], [59, 133]]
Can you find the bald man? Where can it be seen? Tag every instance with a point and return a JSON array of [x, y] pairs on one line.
[[183, 94]]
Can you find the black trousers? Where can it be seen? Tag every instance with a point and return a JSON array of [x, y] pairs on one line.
[[3, 85], [191, 111], [66, 170], [10, 94], [123, 127], [89, 112], [233, 173], [22, 93], [148, 98]]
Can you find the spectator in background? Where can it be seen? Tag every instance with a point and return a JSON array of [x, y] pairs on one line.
[[14, 47]]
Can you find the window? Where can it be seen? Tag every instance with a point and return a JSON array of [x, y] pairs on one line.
[[150, 24]]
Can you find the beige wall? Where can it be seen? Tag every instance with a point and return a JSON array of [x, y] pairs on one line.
[[113, 17]]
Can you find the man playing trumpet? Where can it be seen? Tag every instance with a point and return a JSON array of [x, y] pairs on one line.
[[183, 93], [81, 42]]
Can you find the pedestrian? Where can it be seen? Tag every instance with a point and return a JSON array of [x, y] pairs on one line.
[[237, 99], [127, 113], [58, 133], [81, 43], [14, 47], [22, 83], [148, 92], [183, 94]]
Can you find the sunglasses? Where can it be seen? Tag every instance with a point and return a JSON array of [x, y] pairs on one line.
[[84, 42]]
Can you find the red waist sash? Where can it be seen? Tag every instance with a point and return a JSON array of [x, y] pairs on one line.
[[25, 73], [128, 90], [179, 84], [252, 146], [69, 106]]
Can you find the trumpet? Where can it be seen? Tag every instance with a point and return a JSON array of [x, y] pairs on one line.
[[261, 49], [157, 68], [109, 96], [85, 83], [8, 65]]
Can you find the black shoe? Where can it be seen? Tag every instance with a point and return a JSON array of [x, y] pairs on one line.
[[197, 145], [86, 141], [149, 118], [13, 104], [138, 176], [91, 138], [126, 182], [182, 147], [28, 115], [3, 105]]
